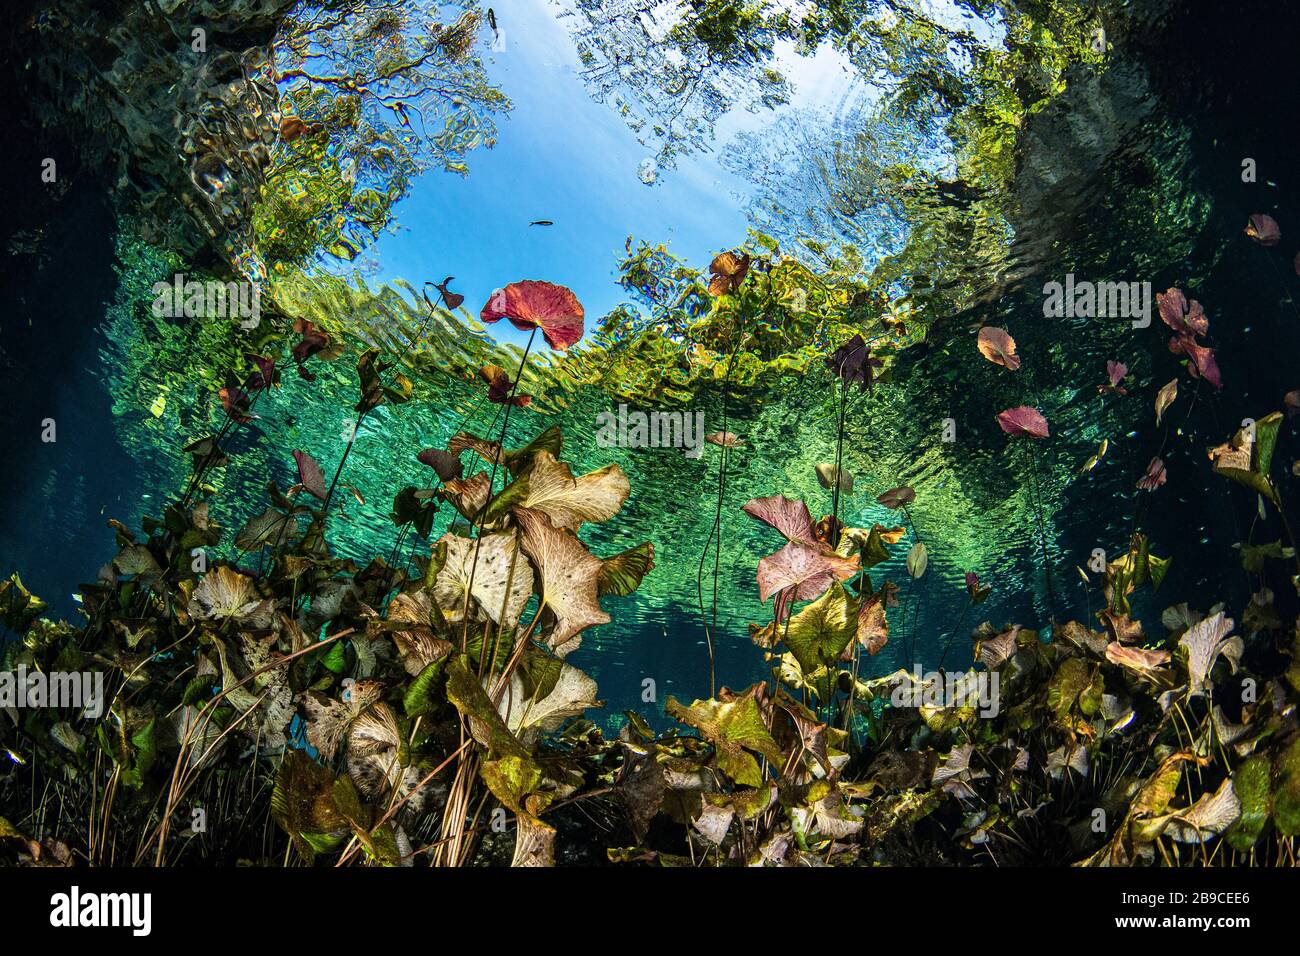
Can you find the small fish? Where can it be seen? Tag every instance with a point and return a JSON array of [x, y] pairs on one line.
[[1095, 460], [355, 494], [492, 19], [541, 222]]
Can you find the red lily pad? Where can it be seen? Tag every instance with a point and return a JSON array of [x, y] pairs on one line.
[[1115, 373], [452, 300], [531, 304], [313, 340], [787, 515], [236, 403], [804, 568], [1023, 420], [265, 374], [1184, 317], [799, 572], [1200, 359], [852, 362], [310, 475], [977, 590]]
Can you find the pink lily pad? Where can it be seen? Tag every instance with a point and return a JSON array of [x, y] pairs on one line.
[[1263, 229], [896, 498], [1023, 420], [542, 305], [310, 475]]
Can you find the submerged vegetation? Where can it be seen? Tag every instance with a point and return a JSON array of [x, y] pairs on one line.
[[274, 703], [277, 690]]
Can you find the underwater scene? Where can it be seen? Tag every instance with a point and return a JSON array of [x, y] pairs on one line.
[[649, 434]]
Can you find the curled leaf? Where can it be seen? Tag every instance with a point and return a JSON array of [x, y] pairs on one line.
[[828, 476], [723, 439], [1205, 641], [917, 560], [1263, 229], [1154, 476], [896, 498], [1135, 658], [500, 387], [447, 465], [728, 272], [1165, 397], [998, 347], [451, 300]]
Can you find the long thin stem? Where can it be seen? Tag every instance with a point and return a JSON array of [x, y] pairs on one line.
[[1042, 529], [909, 633], [419, 334], [956, 629], [496, 461], [834, 533], [714, 538]]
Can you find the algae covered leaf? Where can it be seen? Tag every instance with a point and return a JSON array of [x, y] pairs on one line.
[[1248, 456], [490, 570], [733, 723], [819, 633]]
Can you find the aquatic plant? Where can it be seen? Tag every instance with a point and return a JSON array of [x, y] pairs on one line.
[[422, 707], [375, 714], [348, 679]]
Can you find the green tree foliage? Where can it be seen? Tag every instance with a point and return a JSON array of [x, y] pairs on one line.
[[372, 94]]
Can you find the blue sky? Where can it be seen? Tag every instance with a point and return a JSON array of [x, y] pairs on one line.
[[561, 156]]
